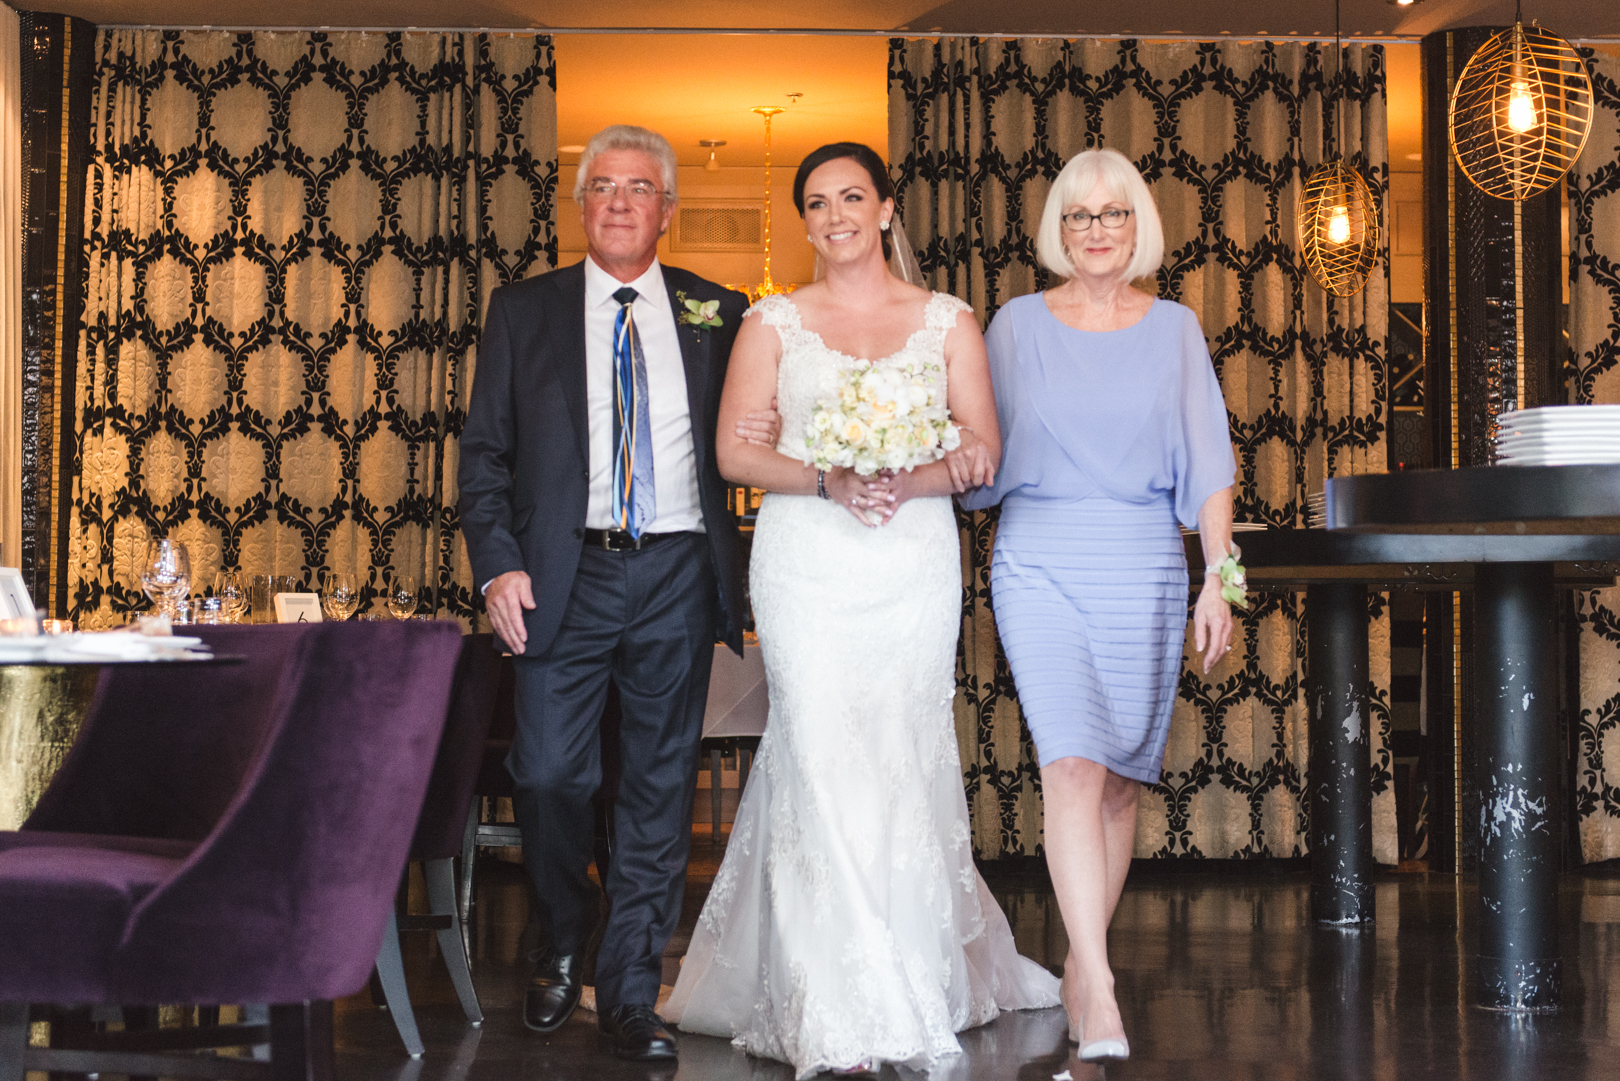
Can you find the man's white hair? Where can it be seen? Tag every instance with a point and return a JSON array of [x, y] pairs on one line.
[[1121, 181], [627, 137]]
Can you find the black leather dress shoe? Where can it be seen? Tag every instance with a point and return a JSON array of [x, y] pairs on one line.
[[637, 1032], [553, 992]]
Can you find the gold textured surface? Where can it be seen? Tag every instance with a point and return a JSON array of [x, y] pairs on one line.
[[41, 708], [1515, 156], [1340, 264]]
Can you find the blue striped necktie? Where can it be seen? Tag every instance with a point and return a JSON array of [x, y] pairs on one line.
[[635, 502]]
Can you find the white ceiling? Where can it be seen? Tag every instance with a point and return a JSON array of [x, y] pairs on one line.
[[1572, 18]]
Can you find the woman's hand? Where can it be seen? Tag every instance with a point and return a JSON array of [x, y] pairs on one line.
[[970, 464], [1212, 623], [856, 494], [891, 489]]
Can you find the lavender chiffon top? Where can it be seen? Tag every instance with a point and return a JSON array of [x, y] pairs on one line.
[[1135, 415]]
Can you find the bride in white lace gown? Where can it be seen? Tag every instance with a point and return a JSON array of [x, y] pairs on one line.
[[847, 926]]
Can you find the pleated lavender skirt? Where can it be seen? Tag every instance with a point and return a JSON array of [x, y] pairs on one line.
[[1090, 599]]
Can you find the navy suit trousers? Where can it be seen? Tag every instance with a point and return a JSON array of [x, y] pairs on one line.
[[645, 620]]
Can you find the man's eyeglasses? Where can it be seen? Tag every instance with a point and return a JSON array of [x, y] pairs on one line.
[[636, 189], [1079, 221]]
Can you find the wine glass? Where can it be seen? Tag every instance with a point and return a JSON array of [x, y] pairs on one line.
[[167, 575], [341, 597], [232, 595], [402, 596]]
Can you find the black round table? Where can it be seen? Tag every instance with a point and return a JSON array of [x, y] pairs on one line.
[[1513, 535]]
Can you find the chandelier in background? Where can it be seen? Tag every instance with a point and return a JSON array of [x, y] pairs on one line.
[[1336, 217], [1521, 112], [766, 287]]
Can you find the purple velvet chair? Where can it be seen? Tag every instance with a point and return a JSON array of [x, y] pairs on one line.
[[440, 831], [224, 834]]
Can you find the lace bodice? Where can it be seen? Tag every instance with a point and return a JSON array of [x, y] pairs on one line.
[[808, 370]]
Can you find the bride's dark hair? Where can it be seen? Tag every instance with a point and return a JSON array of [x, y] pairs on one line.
[[863, 155]]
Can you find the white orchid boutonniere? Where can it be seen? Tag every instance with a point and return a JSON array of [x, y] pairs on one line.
[[1234, 581], [698, 313]]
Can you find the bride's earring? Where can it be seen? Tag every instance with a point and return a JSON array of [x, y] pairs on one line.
[[810, 238], [884, 226]]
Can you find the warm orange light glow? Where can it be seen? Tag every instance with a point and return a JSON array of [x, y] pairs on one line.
[[1339, 225], [1521, 108]]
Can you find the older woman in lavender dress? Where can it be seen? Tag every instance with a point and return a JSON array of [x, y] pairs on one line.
[[1115, 431]]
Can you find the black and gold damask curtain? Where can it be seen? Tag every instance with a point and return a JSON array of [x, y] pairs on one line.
[[290, 238], [1225, 134], [1594, 336]]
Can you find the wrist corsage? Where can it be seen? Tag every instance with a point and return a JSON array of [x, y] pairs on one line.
[[1233, 578], [698, 313]]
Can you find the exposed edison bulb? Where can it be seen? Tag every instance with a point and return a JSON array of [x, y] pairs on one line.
[[1339, 224], [1521, 107]]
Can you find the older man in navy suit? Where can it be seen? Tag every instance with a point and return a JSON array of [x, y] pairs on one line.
[[596, 521]]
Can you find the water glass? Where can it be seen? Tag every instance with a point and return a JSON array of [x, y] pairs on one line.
[[232, 595], [402, 596], [166, 578], [341, 596], [212, 610]]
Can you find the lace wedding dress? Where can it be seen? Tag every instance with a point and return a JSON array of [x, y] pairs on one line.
[[847, 923]]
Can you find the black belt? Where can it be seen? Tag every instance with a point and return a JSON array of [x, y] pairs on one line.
[[619, 540]]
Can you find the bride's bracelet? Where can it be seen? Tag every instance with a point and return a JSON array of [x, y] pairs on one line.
[[821, 484]]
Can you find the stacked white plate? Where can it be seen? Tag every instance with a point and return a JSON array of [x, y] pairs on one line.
[[1560, 435], [1316, 510]]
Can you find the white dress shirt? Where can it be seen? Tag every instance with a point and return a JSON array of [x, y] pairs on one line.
[[674, 459]]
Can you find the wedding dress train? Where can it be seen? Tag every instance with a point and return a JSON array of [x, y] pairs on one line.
[[847, 923]]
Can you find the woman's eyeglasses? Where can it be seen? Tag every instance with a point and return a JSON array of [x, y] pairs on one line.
[[1079, 221]]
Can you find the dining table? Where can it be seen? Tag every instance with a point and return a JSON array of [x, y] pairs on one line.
[[46, 693], [1514, 535]]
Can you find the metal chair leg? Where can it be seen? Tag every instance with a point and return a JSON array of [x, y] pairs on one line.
[[441, 886], [714, 794], [391, 973], [469, 856], [13, 1040]]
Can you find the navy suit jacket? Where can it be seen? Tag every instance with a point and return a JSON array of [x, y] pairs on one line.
[[525, 465]]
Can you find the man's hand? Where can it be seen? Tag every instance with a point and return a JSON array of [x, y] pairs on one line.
[[764, 427], [505, 600]]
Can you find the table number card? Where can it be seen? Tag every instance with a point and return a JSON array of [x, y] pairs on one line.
[[298, 608]]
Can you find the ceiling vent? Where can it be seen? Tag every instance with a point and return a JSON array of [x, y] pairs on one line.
[[718, 225]]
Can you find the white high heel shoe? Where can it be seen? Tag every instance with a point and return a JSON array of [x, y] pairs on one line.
[[1117, 1050]]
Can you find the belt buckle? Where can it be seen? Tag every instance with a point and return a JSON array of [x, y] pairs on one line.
[[619, 540]]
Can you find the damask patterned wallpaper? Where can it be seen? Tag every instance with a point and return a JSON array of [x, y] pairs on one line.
[[1225, 134], [290, 239], [1594, 338]]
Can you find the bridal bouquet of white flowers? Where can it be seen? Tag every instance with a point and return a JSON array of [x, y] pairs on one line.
[[884, 416]]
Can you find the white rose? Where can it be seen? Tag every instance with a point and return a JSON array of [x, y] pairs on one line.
[[854, 432], [950, 438]]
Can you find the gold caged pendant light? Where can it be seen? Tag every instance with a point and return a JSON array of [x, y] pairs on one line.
[[1521, 112], [1336, 216]]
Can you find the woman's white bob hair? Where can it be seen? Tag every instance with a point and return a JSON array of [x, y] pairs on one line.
[[628, 137], [1121, 181]]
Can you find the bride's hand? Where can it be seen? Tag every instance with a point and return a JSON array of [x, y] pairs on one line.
[[892, 488], [856, 494], [969, 464]]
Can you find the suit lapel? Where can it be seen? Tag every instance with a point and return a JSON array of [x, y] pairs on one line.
[[569, 310], [695, 359]]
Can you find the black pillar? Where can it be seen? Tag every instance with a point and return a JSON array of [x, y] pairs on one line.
[[1518, 770], [1340, 754], [1493, 343], [58, 78]]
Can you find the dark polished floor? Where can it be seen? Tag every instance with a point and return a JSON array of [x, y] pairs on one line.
[[1220, 976]]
